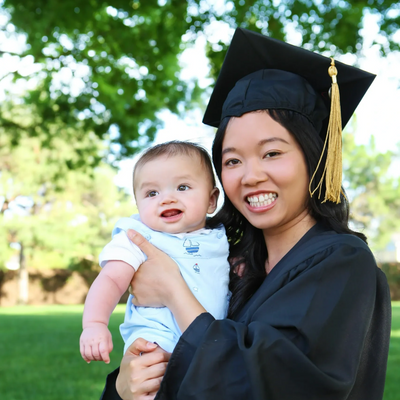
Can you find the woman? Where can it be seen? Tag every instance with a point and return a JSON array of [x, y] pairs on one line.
[[309, 316]]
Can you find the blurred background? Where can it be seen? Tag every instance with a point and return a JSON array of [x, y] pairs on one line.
[[85, 86]]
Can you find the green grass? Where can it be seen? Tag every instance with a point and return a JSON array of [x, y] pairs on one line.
[[40, 356], [392, 387]]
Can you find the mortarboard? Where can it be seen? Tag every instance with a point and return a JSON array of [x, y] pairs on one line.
[[264, 73]]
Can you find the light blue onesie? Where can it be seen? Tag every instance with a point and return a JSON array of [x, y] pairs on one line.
[[202, 259]]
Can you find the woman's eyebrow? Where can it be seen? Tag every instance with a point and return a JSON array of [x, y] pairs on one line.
[[260, 143], [228, 150], [272, 139]]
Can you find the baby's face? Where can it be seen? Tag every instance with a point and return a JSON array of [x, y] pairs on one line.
[[174, 194]]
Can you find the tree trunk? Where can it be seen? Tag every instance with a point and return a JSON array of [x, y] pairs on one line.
[[23, 279]]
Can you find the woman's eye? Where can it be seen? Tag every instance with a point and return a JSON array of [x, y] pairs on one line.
[[182, 188], [232, 161], [272, 154], [152, 193]]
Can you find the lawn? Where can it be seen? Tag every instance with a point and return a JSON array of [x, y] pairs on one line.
[[40, 356], [392, 387]]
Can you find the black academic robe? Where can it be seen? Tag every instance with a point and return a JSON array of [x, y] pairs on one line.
[[318, 328]]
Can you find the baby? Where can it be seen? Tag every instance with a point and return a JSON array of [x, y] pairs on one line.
[[174, 188]]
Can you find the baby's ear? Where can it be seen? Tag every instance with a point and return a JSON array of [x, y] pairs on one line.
[[212, 206]]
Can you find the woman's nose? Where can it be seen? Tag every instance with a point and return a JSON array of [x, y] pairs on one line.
[[254, 174]]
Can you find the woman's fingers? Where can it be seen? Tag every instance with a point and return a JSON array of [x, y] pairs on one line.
[[141, 375], [141, 345], [146, 396], [153, 376], [150, 396], [147, 384], [155, 358], [142, 243]]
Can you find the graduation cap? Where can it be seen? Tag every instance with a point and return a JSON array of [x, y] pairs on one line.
[[264, 73]]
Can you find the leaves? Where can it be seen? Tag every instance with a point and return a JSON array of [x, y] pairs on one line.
[[60, 215], [103, 65], [107, 68], [103, 71], [373, 188]]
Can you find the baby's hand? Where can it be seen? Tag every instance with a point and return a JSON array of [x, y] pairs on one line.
[[96, 343]]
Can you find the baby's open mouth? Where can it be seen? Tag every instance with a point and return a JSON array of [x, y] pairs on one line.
[[170, 213]]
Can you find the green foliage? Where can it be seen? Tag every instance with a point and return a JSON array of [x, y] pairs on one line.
[[103, 71], [392, 272], [327, 26], [374, 191], [60, 215], [106, 68]]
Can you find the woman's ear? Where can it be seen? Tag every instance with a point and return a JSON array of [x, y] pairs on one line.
[[212, 206]]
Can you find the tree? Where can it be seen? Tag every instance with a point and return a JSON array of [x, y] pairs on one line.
[[107, 68], [56, 222], [332, 27], [373, 189], [103, 68], [101, 71]]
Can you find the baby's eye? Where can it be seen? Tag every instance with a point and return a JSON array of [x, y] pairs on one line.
[[152, 193], [182, 188]]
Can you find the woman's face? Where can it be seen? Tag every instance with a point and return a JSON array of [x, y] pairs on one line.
[[264, 173]]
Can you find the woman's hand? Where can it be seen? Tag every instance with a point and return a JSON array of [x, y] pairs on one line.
[[142, 369], [158, 282], [157, 278]]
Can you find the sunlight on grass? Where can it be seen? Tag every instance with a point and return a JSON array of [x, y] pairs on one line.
[[51, 310], [392, 386], [40, 351], [41, 346]]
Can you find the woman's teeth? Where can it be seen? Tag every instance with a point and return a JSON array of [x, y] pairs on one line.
[[262, 200]]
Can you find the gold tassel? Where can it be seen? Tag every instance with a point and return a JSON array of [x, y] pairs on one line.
[[333, 166]]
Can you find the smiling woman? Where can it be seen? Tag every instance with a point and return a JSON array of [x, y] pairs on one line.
[[269, 163], [309, 315]]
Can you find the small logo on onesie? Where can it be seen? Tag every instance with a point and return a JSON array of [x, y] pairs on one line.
[[196, 268], [191, 247]]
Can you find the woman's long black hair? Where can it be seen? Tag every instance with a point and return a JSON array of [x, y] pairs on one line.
[[247, 243]]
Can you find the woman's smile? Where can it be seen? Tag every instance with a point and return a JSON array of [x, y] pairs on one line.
[[262, 200], [263, 171]]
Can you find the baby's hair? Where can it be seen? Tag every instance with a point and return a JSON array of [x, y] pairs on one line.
[[176, 148]]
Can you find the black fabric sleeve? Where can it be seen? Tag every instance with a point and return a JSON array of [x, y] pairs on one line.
[[183, 354], [303, 342], [110, 392]]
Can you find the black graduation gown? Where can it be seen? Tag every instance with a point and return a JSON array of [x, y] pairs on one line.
[[317, 328]]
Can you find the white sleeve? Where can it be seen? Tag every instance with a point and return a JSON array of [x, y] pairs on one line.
[[122, 249]]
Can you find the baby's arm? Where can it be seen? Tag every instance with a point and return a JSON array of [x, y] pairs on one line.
[[103, 296]]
